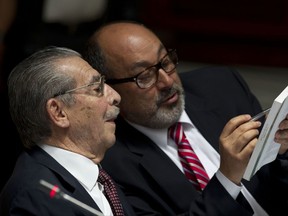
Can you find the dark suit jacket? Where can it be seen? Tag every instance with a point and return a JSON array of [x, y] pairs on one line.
[[153, 183], [23, 194]]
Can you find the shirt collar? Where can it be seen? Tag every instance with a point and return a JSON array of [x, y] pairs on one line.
[[160, 136], [82, 168]]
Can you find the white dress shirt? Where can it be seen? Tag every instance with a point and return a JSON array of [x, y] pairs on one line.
[[208, 156], [85, 171]]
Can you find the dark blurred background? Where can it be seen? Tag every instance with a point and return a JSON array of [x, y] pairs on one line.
[[251, 36], [223, 32]]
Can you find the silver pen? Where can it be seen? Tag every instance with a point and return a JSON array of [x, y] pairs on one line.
[[261, 114]]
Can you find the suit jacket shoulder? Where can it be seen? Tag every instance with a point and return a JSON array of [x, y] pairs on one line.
[[24, 192], [151, 181]]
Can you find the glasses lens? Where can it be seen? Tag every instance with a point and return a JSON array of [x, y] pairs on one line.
[[170, 61], [147, 78]]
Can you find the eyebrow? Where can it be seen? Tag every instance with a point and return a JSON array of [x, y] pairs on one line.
[[140, 64], [95, 78]]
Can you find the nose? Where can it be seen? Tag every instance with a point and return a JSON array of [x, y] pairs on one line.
[[112, 96], [164, 80]]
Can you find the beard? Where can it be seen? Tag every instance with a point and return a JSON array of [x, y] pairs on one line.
[[158, 115]]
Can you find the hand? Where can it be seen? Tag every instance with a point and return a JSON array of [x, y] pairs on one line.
[[281, 135], [237, 142]]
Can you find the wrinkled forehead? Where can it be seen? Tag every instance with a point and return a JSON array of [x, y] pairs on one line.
[[79, 69]]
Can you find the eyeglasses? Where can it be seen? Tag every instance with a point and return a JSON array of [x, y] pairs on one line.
[[149, 76], [98, 88]]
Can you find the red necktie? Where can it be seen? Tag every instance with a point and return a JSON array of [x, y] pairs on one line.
[[110, 192], [193, 168]]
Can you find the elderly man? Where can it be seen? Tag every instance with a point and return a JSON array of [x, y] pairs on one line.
[[65, 114]]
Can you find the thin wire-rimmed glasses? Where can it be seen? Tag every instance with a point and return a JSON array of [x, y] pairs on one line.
[[98, 88], [149, 76]]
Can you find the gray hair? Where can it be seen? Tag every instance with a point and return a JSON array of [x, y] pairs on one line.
[[30, 84]]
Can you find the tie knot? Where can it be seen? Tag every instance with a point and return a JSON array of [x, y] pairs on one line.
[[103, 176], [176, 132]]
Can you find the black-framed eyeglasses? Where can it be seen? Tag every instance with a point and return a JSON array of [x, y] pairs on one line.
[[149, 76], [98, 88]]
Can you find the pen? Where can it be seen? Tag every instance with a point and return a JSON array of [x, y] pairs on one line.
[[261, 114]]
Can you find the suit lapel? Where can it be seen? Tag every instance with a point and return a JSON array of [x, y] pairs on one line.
[[153, 159], [205, 118], [70, 183]]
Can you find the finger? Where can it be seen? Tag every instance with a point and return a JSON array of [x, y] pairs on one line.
[[247, 142], [233, 123], [241, 138], [237, 128], [281, 137], [284, 124]]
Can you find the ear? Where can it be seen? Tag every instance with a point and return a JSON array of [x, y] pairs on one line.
[[56, 113]]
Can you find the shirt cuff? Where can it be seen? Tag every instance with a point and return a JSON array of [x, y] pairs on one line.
[[231, 188]]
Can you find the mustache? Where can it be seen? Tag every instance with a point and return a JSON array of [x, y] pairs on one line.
[[113, 113], [167, 93]]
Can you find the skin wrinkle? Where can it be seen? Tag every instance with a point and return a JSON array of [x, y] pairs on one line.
[[85, 104]]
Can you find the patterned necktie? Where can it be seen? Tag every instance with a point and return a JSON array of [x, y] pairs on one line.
[[192, 166], [110, 192]]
